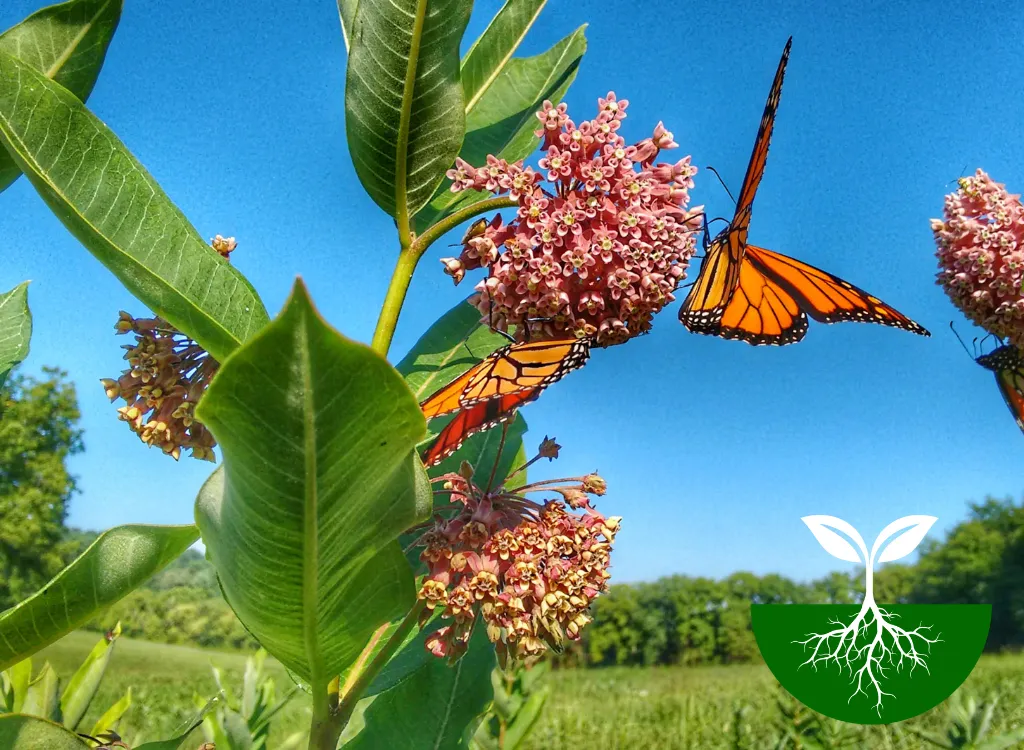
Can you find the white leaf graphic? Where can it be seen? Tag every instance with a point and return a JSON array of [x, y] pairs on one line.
[[916, 528], [834, 544]]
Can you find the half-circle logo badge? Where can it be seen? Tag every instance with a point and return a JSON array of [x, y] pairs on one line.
[[871, 663]]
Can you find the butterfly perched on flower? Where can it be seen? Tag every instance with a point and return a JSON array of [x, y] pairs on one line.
[[1007, 362], [756, 295], [491, 391]]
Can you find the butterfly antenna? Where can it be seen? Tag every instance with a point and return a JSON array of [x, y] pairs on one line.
[[972, 356], [715, 172]]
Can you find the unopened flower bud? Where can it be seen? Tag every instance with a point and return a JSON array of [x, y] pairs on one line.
[[111, 388], [594, 484], [575, 498], [125, 322]]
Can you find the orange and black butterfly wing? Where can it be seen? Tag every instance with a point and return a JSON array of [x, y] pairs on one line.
[[761, 311], [827, 298], [1007, 363], [719, 275], [471, 420], [525, 367], [514, 368], [720, 272], [759, 156], [446, 400]]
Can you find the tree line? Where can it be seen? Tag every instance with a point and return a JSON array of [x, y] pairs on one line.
[[675, 620], [689, 620]]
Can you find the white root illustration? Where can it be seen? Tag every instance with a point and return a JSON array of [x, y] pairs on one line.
[[871, 645]]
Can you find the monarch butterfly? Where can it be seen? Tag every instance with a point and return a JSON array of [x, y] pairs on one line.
[[490, 392], [481, 416], [533, 365], [759, 296], [1007, 363]]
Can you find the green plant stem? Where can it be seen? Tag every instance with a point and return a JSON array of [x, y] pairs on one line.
[[327, 725], [393, 301], [323, 734], [355, 692], [410, 256]]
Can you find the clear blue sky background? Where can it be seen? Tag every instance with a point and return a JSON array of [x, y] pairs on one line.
[[713, 449]]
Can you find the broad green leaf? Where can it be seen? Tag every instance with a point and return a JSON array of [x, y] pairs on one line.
[[113, 714], [176, 742], [504, 119], [17, 680], [119, 561], [347, 12], [41, 698], [319, 478], [67, 43], [525, 719], [530, 677], [228, 730], [404, 107], [456, 342], [19, 732], [431, 707], [505, 704], [116, 209], [489, 54], [251, 680], [81, 689], [520, 459], [15, 328], [453, 344], [481, 451]]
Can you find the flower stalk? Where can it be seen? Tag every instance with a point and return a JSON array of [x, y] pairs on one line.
[[409, 257]]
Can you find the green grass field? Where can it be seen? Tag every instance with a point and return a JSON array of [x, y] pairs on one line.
[[612, 709]]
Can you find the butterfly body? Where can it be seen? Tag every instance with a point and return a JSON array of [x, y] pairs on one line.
[[1007, 362], [762, 297]]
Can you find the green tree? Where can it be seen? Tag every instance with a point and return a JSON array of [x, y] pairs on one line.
[[38, 431], [981, 561]]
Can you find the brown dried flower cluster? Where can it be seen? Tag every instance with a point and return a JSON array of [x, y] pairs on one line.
[[166, 376]]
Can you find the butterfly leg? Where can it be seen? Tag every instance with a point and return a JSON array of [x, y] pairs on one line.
[[490, 322]]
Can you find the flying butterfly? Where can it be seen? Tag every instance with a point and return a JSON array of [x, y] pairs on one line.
[[1007, 362], [762, 297], [490, 392], [528, 366]]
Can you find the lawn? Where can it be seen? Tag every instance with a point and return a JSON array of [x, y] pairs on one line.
[[612, 709]]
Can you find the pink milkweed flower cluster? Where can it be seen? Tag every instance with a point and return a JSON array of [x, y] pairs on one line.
[[529, 569], [602, 237], [981, 255]]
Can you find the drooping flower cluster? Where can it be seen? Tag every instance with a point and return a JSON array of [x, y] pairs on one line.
[[166, 376], [981, 255], [602, 236], [530, 570]]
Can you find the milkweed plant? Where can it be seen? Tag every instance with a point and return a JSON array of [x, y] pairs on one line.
[[390, 590]]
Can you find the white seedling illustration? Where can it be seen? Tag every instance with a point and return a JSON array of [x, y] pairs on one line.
[[871, 644]]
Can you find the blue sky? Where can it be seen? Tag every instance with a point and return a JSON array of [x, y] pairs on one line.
[[712, 449]]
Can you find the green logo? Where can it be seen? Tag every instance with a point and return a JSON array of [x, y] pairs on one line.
[[871, 663]]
